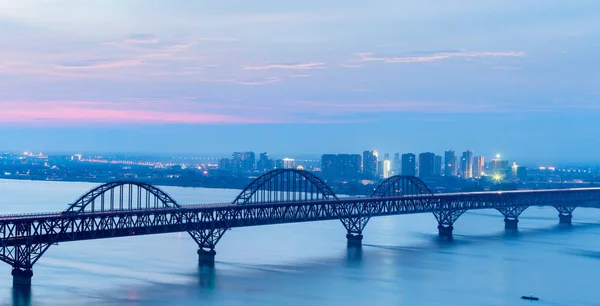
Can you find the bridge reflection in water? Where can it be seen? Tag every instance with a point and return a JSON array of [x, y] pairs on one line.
[[127, 208]]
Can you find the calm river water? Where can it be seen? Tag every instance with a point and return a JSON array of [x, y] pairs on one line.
[[402, 261]]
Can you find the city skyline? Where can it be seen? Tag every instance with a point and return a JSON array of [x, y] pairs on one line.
[[290, 78]]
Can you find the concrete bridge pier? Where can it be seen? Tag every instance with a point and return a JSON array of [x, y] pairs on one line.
[[511, 224], [21, 277], [445, 231], [511, 216], [565, 219], [354, 240], [206, 258]]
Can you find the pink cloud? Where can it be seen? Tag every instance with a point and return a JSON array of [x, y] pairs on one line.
[[100, 64], [73, 112], [260, 82], [301, 66]]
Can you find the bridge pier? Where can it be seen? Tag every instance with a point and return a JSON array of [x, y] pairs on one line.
[[445, 231], [21, 277], [565, 219], [206, 258], [355, 226], [511, 224], [354, 240], [511, 215]]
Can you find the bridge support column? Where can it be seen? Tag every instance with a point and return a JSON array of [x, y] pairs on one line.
[[354, 240], [565, 214], [445, 231], [21, 277], [511, 224], [446, 219], [206, 258], [355, 226], [565, 219], [511, 216], [207, 240]]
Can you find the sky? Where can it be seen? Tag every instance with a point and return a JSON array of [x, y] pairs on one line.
[[519, 77]]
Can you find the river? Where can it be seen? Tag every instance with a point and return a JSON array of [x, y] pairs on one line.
[[402, 261]]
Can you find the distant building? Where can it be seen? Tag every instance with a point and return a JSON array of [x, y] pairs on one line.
[[409, 164], [370, 163], [341, 166], [466, 164], [243, 162], [396, 164], [225, 164], [478, 165], [522, 173], [500, 167], [289, 163], [265, 164], [384, 168], [455, 170], [437, 166], [449, 163], [279, 164], [426, 164]]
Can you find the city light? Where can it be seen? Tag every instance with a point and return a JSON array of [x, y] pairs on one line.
[[497, 177]]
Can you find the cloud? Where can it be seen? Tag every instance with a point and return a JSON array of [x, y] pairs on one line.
[[436, 56], [299, 75], [85, 112], [141, 39], [216, 39], [300, 66], [350, 66], [506, 68], [99, 64], [259, 81]]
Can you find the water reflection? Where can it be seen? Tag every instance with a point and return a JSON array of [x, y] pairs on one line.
[[354, 255], [207, 277], [21, 295]]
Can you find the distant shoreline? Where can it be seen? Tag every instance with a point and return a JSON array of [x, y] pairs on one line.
[[101, 181]]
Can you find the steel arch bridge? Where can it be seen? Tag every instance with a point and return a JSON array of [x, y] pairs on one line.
[[395, 186], [121, 195], [125, 208], [285, 185], [402, 185]]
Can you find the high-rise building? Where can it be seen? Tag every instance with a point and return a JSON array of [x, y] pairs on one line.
[[225, 164], [409, 164], [499, 167], [341, 166], [243, 161], [396, 164], [426, 164], [384, 168], [478, 165], [370, 163], [449, 163], [466, 164], [437, 165], [289, 163], [265, 164]]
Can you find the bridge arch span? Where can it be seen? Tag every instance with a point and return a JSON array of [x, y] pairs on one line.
[[122, 195], [402, 185], [285, 185]]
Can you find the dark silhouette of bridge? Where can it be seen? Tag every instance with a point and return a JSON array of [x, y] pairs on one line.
[[128, 208]]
